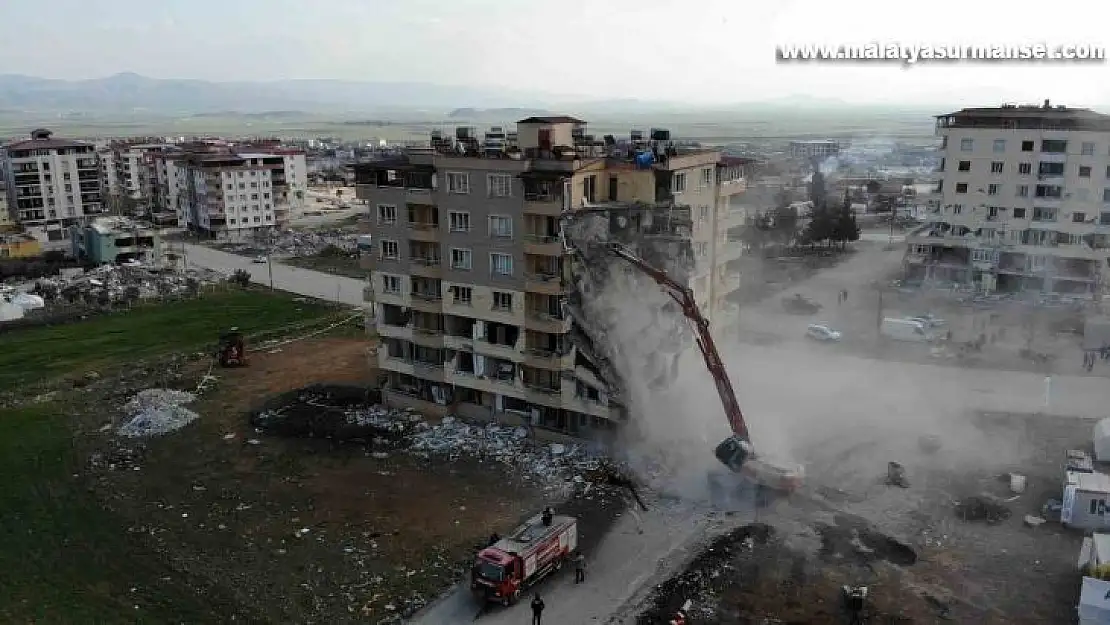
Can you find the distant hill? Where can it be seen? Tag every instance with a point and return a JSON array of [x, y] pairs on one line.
[[134, 93], [495, 115]]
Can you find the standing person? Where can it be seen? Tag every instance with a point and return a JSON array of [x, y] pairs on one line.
[[537, 609], [579, 568]]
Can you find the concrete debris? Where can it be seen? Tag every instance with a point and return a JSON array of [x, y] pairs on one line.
[[1033, 521], [896, 475], [982, 508], [290, 243], [157, 411], [110, 284]]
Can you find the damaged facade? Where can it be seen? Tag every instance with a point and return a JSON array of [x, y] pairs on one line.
[[1021, 204], [474, 296]]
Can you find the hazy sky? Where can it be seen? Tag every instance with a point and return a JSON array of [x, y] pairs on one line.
[[697, 51]]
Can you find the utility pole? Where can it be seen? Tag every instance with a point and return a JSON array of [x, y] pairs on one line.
[[879, 313], [270, 258]]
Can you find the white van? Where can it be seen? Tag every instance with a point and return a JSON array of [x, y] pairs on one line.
[[906, 330]]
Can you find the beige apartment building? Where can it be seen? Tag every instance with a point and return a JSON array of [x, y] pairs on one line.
[[1023, 202], [467, 274]]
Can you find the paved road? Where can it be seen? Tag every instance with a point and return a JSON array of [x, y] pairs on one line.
[[292, 279]]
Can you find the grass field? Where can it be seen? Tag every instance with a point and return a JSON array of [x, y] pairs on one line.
[[35, 354], [65, 557]]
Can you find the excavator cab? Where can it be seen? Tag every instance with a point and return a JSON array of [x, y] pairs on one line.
[[733, 452]]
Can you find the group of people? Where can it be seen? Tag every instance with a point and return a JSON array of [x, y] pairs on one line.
[[579, 577], [1091, 356]]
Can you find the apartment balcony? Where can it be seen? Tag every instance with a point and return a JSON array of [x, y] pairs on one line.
[[387, 331], [458, 343], [426, 232], [542, 205], [542, 245], [427, 268], [543, 322], [429, 370], [546, 284], [426, 302], [732, 187], [395, 364], [415, 195], [496, 350], [428, 337], [486, 384], [552, 361]]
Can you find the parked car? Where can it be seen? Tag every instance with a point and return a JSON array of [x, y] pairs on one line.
[[260, 260], [929, 320], [822, 333]]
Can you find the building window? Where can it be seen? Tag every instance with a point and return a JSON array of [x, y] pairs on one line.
[[707, 177], [1049, 191], [957, 209], [1026, 146], [1019, 213], [1025, 169], [964, 166], [999, 146], [961, 187], [502, 301], [992, 212], [1044, 214], [1050, 169], [966, 145], [1104, 219], [702, 249], [1023, 190], [1087, 148], [463, 295], [501, 264], [1078, 217], [996, 167], [387, 214], [678, 184], [1106, 195], [993, 189], [1084, 171], [500, 185], [391, 284], [500, 227], [390, 250], [459, 221], [1054, 146], [458, 182], [461, 259]]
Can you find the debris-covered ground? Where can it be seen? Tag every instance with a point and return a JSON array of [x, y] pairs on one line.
[[951, 546], [296, 243], [326, 508]]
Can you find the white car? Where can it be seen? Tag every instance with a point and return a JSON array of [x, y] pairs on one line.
[[260, 260], [929, 320], [820, 332]]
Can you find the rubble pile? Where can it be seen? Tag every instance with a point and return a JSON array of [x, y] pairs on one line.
[[157, 411], [291, 243], [982, 508], [109, 284], [511, 446]]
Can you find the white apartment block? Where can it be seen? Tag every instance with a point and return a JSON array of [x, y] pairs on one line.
[[7, 221], [232, 195], [51, 184], [1023, 202]]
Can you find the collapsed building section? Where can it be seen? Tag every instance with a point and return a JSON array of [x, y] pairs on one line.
[[480, 307]]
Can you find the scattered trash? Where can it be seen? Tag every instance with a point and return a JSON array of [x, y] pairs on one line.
[[982, 508], [157, 411], [1033, 521]]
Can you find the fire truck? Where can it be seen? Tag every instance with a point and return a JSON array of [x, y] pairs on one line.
[[503, 571]]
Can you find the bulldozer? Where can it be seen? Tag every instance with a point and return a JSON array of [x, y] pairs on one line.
[[231, 351]]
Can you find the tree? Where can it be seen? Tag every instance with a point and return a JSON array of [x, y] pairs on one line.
[[844, 226], [241, 278], [785, 224], [818, 195], [821, 225], [756, 232]]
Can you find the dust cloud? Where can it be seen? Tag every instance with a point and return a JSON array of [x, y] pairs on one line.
[[842, 417]]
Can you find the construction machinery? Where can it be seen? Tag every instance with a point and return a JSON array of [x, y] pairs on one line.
[[231, 350], [735, 452]]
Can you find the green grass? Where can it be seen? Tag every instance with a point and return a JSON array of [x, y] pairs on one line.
[[339, 265], [44, 353], [66, 559]]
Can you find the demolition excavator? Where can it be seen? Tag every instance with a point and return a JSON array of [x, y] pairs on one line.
[[735, 452]]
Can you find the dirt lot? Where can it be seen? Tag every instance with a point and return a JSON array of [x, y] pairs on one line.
[[306, 530], [922, 561]]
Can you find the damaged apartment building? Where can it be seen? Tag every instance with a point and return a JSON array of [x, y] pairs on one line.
[[1023, 202], [472, 288]]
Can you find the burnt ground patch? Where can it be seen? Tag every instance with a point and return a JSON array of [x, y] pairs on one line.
[[338, 412], [854, 538]]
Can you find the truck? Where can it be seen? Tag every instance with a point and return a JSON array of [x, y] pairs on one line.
[[503, 571]]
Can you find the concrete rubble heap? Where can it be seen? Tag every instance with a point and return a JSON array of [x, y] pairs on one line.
[[157, 411], [116, 283], [291, 243]]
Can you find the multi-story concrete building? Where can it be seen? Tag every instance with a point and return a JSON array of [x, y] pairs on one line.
[[51, 183], [467, 271], [112, 240], [816, 149], [7, 221], [222, 193], [130, 175], [1023, 202]]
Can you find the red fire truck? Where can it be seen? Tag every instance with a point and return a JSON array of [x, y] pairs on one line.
[[504, 570]]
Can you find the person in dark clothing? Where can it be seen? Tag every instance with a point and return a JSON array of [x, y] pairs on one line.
[[548, 514], [537, 609], [493, 538], [579, 568]]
